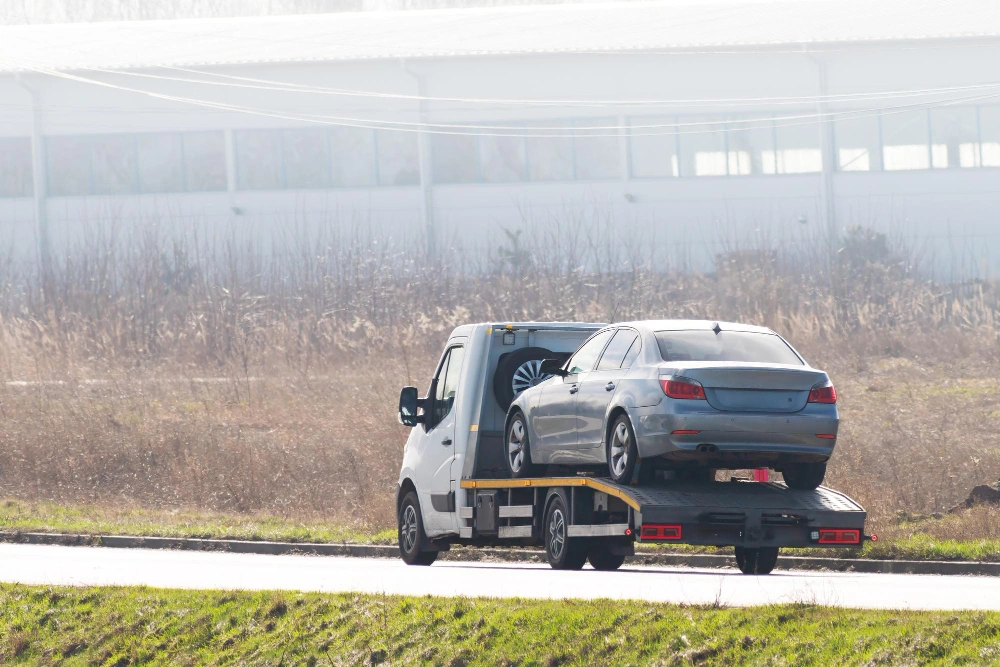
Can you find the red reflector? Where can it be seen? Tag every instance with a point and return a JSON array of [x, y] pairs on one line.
[[761, 475], [826, 436], [827, 394], [874, 537], [660, 531], [683, 389], [628, 531], [839, 536], [682, 431]]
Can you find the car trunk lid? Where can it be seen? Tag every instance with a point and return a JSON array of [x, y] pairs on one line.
[[749, 387]]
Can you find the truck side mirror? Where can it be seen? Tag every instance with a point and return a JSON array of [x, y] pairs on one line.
[[408, 403], [553, 367]]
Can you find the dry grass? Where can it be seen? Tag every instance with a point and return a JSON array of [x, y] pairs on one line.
[[312, 343]]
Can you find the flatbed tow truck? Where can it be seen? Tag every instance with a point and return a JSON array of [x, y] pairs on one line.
[[454, 489]]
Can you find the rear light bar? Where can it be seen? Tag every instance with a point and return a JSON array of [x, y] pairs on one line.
[[685, 431], [826, 436], [659, 531], [839, 536], [823, 393], [682, 388]]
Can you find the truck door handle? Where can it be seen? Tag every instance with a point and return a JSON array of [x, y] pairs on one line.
[[574, 389], [609, 386], [446, 442]]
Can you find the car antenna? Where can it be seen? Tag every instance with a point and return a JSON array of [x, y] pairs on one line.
[[717, 329], [615, 313]]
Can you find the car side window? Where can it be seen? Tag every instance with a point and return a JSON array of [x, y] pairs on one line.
[[586, 357], [632, 353], [617, 349], [447, 383]]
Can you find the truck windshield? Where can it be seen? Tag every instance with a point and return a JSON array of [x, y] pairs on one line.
[[704, 345]]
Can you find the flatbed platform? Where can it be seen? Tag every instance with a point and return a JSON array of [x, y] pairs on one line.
[[734, 513]]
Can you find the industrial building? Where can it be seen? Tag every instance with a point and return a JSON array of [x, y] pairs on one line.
[[681, 128]]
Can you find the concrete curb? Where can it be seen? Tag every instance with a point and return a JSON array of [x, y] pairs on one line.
[[495, 554]]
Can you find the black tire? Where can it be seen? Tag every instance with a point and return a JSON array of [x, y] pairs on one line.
[[615, 449], [804, 476], [409, 543], [526, 360], [602, 559], [758, 560], [517, 448], [563, 552]]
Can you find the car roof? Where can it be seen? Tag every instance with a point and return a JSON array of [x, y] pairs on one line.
[[687, 325]]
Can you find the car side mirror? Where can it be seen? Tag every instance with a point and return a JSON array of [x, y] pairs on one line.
[[408, 404], [553, 367]]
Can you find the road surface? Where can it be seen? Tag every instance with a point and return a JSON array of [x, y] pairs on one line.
[[96, 566]]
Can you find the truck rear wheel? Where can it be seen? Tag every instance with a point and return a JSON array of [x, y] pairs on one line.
[[411, 533], [564, 552], [756, 560], [601, 558]]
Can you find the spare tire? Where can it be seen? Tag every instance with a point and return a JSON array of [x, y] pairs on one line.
[[518, 370]]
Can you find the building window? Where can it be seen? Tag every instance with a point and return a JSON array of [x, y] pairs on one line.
[[954, 138], [398, 161], [858, 145], [905, 141], [113, 165], [354, 162], [596, 157], [15, 167], [703, 147], [502, 159], [204, 161], [550, 157], [161, 166], [68, 160], [653, 151], [455, 158], [258, 158], [798, 148], [306, 158], [750, 146], [989, 136]]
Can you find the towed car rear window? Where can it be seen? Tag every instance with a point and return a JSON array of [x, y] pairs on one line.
[[703, 345]]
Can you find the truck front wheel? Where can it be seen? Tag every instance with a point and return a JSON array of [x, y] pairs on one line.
[[411, 533]]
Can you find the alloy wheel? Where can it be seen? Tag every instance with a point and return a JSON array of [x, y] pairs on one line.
[[515, 445], [528, 375], [619, 449], [557, 534], [408, 531]]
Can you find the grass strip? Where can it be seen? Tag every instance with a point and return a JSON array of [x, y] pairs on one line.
[[133, 626], [906, 541]]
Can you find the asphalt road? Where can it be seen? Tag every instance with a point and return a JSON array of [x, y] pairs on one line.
[[95, 566]]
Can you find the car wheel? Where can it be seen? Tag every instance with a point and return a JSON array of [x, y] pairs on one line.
[[601, 558], [518, 454], [804, 476], [759, 560], [621, 450], [411, 533], [563, 552], [519, 370]]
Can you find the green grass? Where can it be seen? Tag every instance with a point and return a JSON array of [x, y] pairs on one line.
[[127, 626], [24, 516], [923, 540]]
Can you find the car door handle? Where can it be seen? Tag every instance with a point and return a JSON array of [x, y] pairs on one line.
[[609, 386], [574, 389], [446, 442]]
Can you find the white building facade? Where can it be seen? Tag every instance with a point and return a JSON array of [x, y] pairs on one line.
[[691, 128]]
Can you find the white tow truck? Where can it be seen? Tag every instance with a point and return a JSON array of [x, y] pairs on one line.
[[454, 487]]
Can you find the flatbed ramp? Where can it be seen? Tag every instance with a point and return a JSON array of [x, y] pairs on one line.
[[733, 513]]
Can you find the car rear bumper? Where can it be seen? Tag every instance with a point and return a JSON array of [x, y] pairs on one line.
[[741, 437]]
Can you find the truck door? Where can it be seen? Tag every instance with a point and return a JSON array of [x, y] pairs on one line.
[[598, 388], [435, 483]]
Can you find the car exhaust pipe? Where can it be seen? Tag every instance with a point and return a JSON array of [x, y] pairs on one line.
[[706, 448]]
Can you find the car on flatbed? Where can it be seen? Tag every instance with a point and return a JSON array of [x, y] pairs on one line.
[[455, 484], [687, 397]]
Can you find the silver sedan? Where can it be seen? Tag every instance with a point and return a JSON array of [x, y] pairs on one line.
[[682, 396]]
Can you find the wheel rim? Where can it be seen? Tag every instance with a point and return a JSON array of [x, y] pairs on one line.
[[528, 375], [557, 533], [515, 445], [408, 531], [619, 449]]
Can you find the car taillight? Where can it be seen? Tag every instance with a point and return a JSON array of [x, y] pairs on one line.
[[682, 388], [825, 393]]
